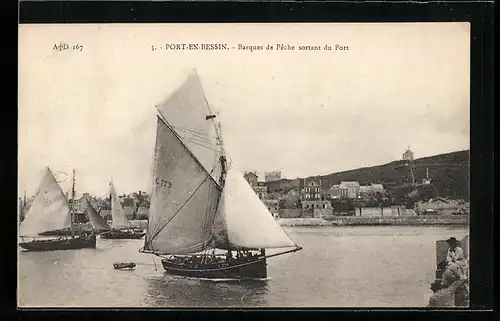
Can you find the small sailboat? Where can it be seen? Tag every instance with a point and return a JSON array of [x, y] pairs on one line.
[[202, 210], [51, 214], [121, 227], [98, 223]]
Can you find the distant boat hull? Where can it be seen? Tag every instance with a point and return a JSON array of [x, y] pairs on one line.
[[235, 269], [69, 231], [82, 242], [118, 235]]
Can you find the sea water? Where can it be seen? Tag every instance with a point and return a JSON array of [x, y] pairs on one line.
[[382, 266]]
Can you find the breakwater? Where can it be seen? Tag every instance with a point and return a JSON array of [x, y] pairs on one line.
[[306, 221], [419, 220], [427, 220]]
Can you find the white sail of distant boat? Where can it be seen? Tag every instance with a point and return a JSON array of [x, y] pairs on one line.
[[119, 219], [190, 211], [49, 211], [96, 220]]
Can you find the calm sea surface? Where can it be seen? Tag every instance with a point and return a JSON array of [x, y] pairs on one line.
[[338, 267]]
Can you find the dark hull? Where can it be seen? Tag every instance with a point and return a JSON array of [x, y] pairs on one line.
[[58, 245], [120, 235], [254, 269]]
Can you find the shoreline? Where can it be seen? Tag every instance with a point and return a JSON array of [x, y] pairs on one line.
[[428, 220]]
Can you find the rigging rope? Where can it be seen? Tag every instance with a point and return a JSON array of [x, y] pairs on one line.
[[196, 133], [196, 143], [208, 144]]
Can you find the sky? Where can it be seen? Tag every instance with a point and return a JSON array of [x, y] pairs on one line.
[[302, 112]]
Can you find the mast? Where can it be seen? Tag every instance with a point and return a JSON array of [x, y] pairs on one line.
[[222, 158], [24, 203], [71, 204]]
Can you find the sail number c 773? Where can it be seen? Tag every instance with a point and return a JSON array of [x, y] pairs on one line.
[[163, 183]]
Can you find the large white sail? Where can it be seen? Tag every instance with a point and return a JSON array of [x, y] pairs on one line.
[[184, 198], [97, 222], [186, 111], [49, 211], [243, 221], [119, 219]]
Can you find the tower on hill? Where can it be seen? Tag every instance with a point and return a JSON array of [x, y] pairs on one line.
[[272, 176], [409, 156]]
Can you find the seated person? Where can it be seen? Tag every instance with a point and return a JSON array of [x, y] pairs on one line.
[[451, 275], [456, 255], [444, 296]]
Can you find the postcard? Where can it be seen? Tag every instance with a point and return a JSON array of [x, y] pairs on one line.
[[244, 165]]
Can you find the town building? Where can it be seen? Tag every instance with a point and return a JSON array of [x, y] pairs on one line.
[[285, 185], [312, 190], [371, 190], [276, 195], [442, 206], [292, 199], [337, 192], [272, 206], [251, 178], [365, 191], [276, 186], [316, 204], [261, 190], [352, 188], [272, 176]]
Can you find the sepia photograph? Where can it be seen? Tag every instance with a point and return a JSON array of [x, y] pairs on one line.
[[244, 165]]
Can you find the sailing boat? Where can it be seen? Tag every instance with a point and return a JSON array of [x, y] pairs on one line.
[[121, 228], [97, 221], [51, 214], [202, 209]]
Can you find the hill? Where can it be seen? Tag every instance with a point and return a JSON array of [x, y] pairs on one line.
[[449, 174]]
